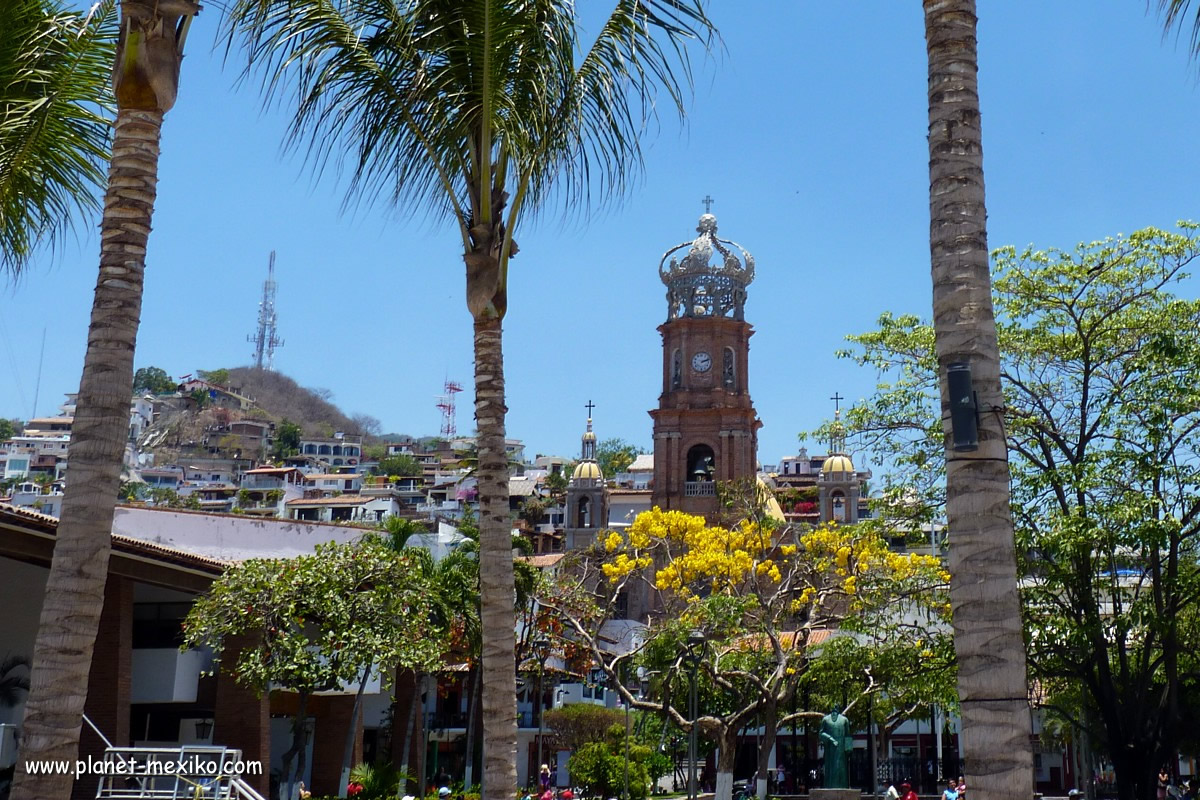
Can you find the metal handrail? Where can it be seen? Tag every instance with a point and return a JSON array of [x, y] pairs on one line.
[[140, 781]]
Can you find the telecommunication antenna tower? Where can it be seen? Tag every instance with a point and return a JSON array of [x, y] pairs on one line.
[[445, 404], [267, 338]]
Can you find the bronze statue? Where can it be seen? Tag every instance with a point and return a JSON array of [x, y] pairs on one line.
[[835, 735]]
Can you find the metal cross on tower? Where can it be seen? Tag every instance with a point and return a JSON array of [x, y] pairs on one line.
[[708, 201], [589, 406], [837, 399]]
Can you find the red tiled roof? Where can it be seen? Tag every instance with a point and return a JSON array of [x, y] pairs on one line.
[[120, 543], [340, 500], [543, 560]]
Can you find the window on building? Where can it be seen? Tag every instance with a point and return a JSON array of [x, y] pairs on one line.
[[621, 607], [728, 376], [158, 625]]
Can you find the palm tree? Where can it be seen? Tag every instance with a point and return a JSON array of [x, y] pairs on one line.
[[145, 78], [485, 112], [55, 119], [983, 588], [1175, 15]]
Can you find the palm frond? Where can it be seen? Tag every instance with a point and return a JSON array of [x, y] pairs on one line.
[[464, 106], [55, 120], [1175, 15]]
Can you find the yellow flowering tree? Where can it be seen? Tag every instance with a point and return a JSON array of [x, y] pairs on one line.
[[760, 593]]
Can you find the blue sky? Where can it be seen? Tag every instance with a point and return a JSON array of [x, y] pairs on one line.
[[808, 130]]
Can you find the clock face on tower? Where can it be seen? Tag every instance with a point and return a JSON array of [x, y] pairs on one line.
[[702, 362]]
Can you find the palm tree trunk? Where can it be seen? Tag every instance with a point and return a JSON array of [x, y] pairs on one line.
[[408, 733], [983, 588], [348, 746], [497, 614], [74, 597], [472, 711]]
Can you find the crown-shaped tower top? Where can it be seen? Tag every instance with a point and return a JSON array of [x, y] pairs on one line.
[[709, 279]]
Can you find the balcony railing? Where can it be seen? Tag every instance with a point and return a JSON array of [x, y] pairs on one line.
[[448, 505], [260, 484], [700, 489], [445, 720]]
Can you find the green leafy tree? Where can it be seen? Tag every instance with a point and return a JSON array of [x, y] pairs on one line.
[[403, 465], [580, 724], [599, 767], [757, 590], [317, 622], [556, 485], [287, 439], [7, 430], [219, 377], [533, 510], [1102, 401], [153, 380], [488, 113], [615, 455], [55, 129]]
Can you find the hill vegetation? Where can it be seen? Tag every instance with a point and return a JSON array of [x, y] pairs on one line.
[[280, 398]]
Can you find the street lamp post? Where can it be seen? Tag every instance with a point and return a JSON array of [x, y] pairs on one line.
[[693, 655], [627, 705], [541, 649]]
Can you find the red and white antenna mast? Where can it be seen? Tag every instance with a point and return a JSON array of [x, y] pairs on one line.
[[446, 405]]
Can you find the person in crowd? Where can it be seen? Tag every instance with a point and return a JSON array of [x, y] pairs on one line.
[[951, 790]]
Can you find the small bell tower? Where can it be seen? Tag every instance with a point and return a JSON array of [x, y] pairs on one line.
[[838, 486], [587, 494]]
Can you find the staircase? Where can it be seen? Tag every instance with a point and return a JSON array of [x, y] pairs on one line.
[[190, 772]]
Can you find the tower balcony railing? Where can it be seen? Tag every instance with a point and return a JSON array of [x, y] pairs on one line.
[[700, 489]]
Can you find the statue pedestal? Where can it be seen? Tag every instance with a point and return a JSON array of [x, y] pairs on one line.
[[834, 794]]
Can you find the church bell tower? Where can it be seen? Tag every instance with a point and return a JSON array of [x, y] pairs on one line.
[[705, 426]]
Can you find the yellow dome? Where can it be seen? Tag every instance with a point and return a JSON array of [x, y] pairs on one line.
[[589, 437], [838, 463], [587, 469]]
